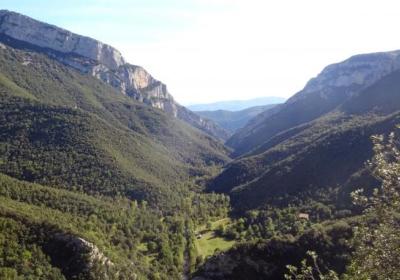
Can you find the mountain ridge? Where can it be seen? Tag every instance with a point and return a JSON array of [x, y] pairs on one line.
[[130, 137], [90, 176], [99, 60], [103, 175], [234, 120], [320, 138], [322, 94], [237, 105]]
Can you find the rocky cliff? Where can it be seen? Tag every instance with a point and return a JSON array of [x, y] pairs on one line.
[[336, 84], [100, 60], [354, 74]]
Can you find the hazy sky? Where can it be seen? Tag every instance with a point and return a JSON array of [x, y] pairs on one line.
[[210, 50]]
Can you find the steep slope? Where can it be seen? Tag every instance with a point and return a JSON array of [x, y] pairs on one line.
[[233, 120], [309, 168], [62, 127], [48, 233], [333, 86], [296, 169], [328, 152], [93, 182], [99, 60]]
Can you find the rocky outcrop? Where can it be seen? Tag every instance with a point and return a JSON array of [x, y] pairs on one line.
[[100, 60], [75, 256], [356, 73], [81, 246], [23, 28], [335, 85]]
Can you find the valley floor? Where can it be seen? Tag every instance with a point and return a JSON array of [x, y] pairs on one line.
[[207, 240]]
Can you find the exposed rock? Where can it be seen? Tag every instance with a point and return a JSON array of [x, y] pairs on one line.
[[100, 60], [95, 255], [356, 73], [335, 85], [74, 255], [23, 28]]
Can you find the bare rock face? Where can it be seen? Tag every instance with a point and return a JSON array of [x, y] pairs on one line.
[[81, 246], [24, 28], [354, 74], [136, 82], [100, 60], [78, 256], [335, 85]]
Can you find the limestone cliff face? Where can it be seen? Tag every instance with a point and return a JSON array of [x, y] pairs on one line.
[[354, 74], [100, 60], [23, 28], [335, 85]]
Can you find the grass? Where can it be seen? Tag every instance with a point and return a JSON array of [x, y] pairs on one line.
[[209, 241]]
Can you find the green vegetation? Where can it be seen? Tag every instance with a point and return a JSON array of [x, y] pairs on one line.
[[234, 120], [94, 185], [20, 257], [208, 240], [116, 225], [315, 142], [133, 236], [267, 259], [80, 134], [339, 244], [86, 169], [326, 156], [298, 166], [376, 240]]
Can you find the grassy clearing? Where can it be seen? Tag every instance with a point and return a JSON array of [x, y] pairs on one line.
[[207, 241]]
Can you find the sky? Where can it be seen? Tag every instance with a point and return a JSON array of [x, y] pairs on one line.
[[213, 50]]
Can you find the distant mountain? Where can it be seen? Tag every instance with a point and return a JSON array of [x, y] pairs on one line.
[[233, 120], [318, 139], [237, 105], [99, 60]]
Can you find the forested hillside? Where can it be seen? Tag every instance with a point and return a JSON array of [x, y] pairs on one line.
[[300, 164], [327, 153], [112, 175], [321, 95]]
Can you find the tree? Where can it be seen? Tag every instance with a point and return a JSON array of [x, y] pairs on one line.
[[377, 239], [377, 254], [8, 273], [309, 271]]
